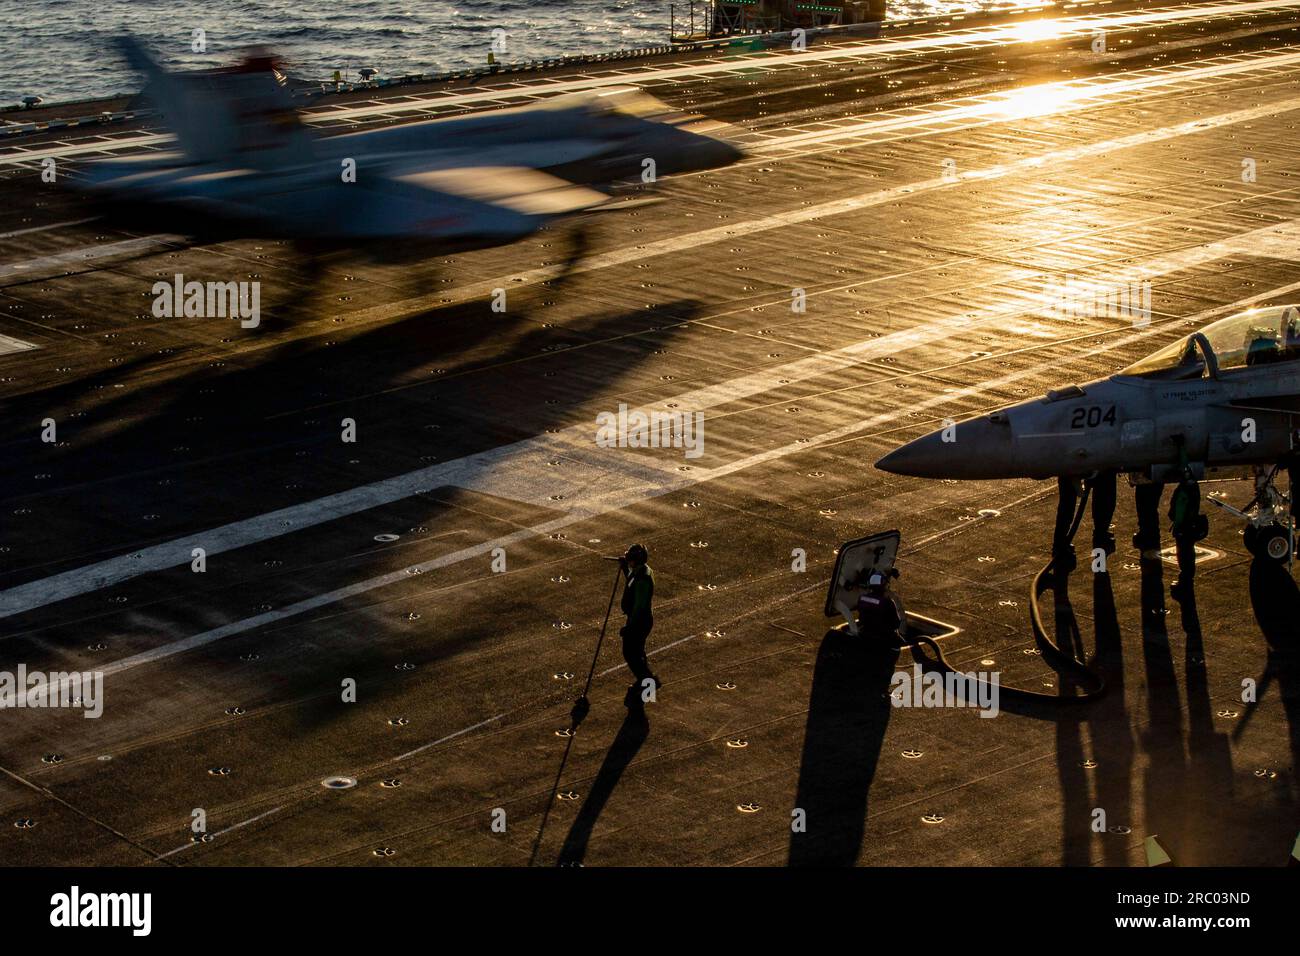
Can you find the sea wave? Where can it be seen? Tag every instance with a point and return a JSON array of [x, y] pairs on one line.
[[61, 49]]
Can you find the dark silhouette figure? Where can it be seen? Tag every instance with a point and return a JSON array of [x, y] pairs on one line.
[[1189, 526], [880, 612], [1067, 499], [1275, 598], [1146, 500], [638, 597], [1103, 488]]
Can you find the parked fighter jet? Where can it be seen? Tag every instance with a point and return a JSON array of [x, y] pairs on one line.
[[247, 166], [1230, 393]]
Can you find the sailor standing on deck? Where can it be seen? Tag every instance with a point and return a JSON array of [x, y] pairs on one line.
[[637, 597], [1188, 525], [1102, 486], [1146, 499]]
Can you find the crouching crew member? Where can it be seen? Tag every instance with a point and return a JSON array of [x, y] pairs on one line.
[[880, 612]]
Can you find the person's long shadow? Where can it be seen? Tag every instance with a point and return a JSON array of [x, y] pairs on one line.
[[1209, 754], [1070, 770], [848, 712], [1275, 599], [1108, 721], [1110, 741], [633, 733], [1166, 775]]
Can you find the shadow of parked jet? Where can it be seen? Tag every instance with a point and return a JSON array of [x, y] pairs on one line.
[[194, 444]]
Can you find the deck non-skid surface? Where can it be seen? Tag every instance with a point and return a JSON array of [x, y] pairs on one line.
[[921, 193]]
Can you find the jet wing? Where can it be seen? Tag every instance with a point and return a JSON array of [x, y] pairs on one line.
[[521, 189], [397, 210], [468, 204]]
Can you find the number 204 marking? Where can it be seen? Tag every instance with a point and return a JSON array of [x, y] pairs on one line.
[[1092, 415]]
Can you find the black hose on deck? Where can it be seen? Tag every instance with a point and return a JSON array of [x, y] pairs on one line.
[[1092, 683]]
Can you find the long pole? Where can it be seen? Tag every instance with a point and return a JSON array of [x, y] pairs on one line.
[[580, 708], [595, 657]]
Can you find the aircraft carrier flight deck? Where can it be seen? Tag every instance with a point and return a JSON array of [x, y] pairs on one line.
[[392, 483]]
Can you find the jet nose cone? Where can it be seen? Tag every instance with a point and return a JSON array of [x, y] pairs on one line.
[[979, 448], [926, 457], [692, 152]]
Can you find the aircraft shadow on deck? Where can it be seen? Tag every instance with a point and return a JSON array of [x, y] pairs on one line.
[[218, 411]]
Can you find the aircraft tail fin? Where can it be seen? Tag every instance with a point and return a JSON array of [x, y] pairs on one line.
[[239, 116]]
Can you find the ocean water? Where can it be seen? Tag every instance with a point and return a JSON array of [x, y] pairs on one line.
[[60, 49]]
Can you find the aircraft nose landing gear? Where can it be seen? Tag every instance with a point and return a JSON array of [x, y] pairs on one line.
[[1269, 541], [1270, 531]]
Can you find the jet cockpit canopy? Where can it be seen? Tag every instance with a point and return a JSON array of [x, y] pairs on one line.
[[1255, 337]]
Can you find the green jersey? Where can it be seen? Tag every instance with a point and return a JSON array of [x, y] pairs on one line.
[[637, 596]]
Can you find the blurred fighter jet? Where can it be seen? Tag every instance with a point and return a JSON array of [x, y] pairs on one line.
[[1226, 396], [245, 166]]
